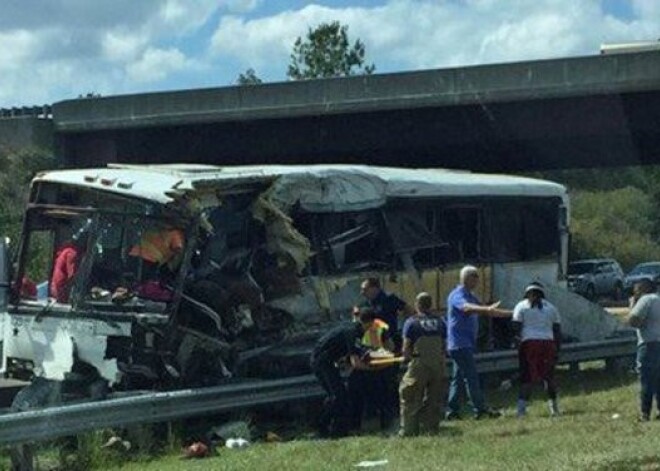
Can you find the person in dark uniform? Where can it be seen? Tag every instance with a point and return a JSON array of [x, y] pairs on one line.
[[367, 383], [334, 346], [423, 386], [387, 307]]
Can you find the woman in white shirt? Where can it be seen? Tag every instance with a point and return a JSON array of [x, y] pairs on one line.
[[536, 323]]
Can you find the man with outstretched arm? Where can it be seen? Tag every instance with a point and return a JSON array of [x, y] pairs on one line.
[[463, 311]]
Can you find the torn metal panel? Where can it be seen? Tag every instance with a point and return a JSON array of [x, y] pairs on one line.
[[281, 237], [329, 190], [321, 299], [200, 358], [409, 230]]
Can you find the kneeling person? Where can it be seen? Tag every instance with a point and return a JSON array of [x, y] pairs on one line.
[[333, 347], [368, 383]]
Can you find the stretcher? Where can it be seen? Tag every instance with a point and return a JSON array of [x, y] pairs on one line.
[[385, 361]]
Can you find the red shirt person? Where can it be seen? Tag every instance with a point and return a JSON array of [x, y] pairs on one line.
[[67, 261]]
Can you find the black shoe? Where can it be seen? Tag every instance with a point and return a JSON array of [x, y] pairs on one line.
[[644, 417], [452, 416], [487, 414]]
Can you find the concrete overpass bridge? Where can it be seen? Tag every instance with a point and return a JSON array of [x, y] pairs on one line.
[[573, 112]]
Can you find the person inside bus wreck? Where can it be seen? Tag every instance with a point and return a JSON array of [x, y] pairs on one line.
[[162, 250], [67, 262]]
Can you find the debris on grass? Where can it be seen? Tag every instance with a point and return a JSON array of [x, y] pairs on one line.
[[237, 443], [272, 437], [371, 464], [116, 442], [196, 450]]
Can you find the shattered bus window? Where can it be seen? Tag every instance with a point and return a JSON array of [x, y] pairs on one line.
[[135, 261], [54, 248], [347, 242]]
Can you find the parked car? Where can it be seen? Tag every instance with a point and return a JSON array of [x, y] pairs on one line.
[[650, 270], [596, 277]]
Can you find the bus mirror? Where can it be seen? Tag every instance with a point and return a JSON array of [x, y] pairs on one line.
[[5, 280]]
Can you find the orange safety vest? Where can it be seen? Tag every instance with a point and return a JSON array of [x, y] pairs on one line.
[[373, 337], [159, 246]]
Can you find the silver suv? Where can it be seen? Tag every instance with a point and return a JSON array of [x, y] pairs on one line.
[[596, 277]]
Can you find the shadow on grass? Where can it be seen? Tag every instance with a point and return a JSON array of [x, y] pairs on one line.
[[573, 412], [513, 432], [586, 381], [646, 463], [449, 432], [592, 380]]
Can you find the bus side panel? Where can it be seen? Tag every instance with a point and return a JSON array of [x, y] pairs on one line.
[[49, 344], [437, 282], [510, 279]]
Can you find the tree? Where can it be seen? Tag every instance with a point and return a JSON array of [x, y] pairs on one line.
[[17, 168], [249, 77], [326, 52], [616, 224]]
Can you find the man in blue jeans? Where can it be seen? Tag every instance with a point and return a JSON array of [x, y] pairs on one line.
[[463, 311], [645, 316]]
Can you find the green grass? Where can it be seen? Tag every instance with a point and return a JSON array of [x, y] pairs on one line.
[[585, 437]]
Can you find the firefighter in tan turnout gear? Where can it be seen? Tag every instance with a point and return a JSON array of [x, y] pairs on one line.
[[423, 386]]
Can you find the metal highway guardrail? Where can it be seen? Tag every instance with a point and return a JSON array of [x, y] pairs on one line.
[[53, 422], [507, 360]]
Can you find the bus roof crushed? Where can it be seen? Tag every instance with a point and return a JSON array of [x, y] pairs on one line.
[[317, 188], [270, 256]]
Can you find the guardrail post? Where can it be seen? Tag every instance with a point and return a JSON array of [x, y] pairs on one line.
[[620, 364], [22, 458]]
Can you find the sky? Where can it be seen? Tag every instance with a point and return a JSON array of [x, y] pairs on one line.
[[54, 50]]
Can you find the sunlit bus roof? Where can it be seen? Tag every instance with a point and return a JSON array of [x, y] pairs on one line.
[[315, 187]]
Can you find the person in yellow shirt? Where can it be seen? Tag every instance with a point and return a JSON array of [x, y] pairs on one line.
[[162, 246]]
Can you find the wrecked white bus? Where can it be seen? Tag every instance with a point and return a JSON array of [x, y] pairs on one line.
[[160, 276]]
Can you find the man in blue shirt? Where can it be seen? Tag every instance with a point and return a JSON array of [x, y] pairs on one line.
[[463, 309]]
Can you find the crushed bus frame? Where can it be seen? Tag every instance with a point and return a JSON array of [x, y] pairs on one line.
[[188, 275]]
